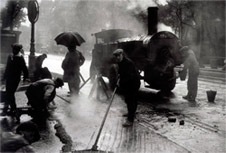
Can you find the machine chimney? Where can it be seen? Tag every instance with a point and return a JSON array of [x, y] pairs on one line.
[[152, 20]]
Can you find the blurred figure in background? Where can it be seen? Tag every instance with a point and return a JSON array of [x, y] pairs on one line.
[[224, 67], [71, 66], [14, 68], [192, 66], [40, 72], [26, 134], [129, 84]]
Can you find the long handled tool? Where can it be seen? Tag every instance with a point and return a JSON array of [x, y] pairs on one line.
[[94, 147], [84, 83], [104, 119], [81, 77]]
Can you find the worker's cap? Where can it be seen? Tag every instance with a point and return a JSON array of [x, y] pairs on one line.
[[59, 82], [118, 52], [44, 55], [17, 46]]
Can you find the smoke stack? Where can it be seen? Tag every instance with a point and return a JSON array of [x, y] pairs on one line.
[[152, 20]]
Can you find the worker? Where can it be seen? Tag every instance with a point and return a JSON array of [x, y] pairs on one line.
[[129, 84]]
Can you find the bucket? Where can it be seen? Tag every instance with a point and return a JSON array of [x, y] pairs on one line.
[[211, 95]]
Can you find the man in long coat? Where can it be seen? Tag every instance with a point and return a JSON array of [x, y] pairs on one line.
[[192, 66], [129, 84], [71, 66]]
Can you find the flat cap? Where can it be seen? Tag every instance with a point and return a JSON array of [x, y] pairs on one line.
[[118, 51], [17, 46]]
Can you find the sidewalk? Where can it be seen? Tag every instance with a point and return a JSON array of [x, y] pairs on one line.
[[213, 74]]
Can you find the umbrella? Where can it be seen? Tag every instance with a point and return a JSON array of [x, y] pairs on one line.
[[69, 39]]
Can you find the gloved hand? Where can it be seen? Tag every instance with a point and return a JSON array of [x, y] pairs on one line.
[[26, 81], [2, 81], [46, 100], [118, 80]]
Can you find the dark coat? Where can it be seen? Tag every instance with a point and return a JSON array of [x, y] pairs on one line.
[[191, 64], [129, 75], [42, 73], [36, 93], [11, 142], [14, 68], [39, 61], [71, 65]]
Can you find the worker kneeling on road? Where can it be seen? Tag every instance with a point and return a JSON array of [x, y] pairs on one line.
[[41, 93], [129, 84], [20, 141]]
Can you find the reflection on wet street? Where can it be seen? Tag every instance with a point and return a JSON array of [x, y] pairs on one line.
[[161, 125]]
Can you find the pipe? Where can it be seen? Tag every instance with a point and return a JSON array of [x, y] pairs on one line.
[[152, 20]]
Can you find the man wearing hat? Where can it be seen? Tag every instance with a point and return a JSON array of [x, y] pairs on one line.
[[26, 134], [14, 68], [41, 93], [129, 84], [192, 66]]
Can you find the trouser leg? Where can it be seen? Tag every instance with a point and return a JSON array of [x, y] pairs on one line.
[[70, 87], [11, 100], [10, 95], [192, 87], [73, 84], [131, 101]]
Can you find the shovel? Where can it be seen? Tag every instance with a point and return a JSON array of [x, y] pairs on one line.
[[94, 148]]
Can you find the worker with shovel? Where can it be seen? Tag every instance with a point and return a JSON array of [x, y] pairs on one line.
[[40, 94], [129, 84]]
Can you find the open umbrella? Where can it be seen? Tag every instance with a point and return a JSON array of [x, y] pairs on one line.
[[69, 39]]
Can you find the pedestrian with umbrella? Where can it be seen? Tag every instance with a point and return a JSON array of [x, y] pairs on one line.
[[73, 59]]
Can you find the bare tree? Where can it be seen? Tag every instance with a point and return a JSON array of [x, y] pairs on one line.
[[12, 14]]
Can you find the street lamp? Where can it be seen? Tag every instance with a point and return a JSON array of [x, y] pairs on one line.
[[33, 13]]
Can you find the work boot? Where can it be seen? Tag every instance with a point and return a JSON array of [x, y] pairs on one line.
[[4, 111], [15, 113], [52, 107], [68, 94], [127, 123], [185, 97], [191, 99], [125, 115], [163, 95]]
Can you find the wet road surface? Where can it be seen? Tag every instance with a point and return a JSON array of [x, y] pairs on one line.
[[203, 129]]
